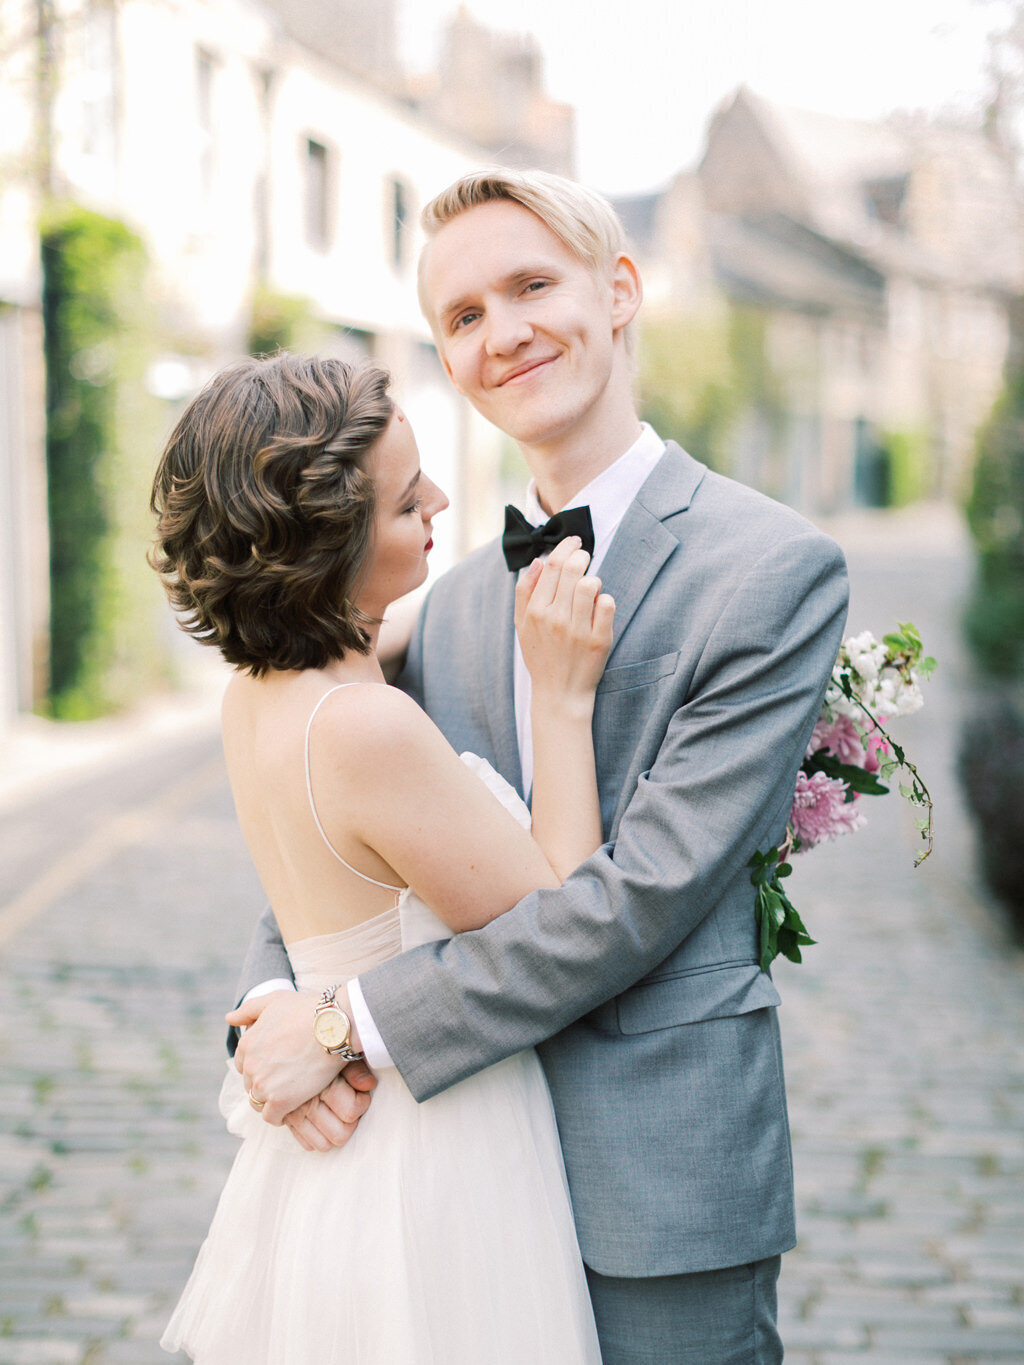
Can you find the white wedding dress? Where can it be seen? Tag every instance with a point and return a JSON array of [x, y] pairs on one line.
[[441, 1234]]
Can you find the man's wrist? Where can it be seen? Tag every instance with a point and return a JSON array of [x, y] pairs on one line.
[[333, 1028], [280, 983], [370, 1041]]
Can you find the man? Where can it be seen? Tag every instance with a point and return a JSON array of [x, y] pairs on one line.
[[638, 979]]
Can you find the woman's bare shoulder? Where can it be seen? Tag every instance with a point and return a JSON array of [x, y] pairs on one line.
[[373, 720]]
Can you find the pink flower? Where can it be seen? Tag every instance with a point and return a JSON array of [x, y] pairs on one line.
[[876, 749], [841, 738], [820, 810]]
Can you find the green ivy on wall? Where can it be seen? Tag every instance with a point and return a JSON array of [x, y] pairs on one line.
[[698, 374], [281, 322], [103, 433], [995, 513]]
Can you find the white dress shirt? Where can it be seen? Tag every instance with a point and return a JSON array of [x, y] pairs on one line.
[[607, 496]]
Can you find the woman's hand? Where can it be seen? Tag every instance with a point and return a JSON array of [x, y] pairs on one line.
[[564, 623]]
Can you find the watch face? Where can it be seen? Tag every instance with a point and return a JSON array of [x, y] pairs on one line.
[[331, 1028]]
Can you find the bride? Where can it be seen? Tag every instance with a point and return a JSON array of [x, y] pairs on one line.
[[292, 511]]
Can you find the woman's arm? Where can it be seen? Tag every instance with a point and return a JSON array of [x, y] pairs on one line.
[[387, 780], [564, 623]]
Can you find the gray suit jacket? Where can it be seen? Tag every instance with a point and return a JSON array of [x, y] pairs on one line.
[[638, 979]]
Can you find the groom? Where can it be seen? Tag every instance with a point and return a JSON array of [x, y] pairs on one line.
[[638, 979]]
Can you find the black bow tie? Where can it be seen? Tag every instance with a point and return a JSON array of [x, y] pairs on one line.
[[522, 543]]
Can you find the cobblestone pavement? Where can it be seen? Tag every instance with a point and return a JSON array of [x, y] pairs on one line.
[[904, 1044], [124, 902]]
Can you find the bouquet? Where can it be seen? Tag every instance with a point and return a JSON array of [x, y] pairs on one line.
[[851, 754]]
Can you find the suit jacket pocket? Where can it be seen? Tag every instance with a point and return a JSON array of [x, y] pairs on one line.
[[640, 674], [692, 996]]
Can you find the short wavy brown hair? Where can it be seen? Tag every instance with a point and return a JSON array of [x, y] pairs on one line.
[[265, 510]]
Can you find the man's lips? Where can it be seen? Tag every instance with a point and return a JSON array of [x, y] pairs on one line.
[[527, 367]]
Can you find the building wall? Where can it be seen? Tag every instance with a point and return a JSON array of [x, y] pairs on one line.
[[243, 159]]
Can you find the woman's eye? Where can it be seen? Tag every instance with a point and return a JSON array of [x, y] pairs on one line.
[[415, 507]]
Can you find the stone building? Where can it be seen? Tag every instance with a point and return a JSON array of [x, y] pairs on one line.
[[489, 86], [882, 261], [260, 149]]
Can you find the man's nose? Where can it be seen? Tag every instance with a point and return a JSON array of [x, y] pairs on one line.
[[506, 331]]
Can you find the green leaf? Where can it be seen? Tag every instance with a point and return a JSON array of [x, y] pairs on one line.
[[856, 779]]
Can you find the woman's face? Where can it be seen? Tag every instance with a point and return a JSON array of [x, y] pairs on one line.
[[407, 502]]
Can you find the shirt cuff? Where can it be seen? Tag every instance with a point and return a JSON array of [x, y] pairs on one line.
[[279, 983], [372, 1044]]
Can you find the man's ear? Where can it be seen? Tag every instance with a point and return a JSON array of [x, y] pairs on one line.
[[627, 291], [444, 361]]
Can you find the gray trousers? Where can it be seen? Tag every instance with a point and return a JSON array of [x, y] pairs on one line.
[[717, 1317]]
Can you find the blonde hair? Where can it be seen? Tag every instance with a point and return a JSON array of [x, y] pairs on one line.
[[580, 218]]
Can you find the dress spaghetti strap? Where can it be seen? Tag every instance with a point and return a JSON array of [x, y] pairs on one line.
[[312, 804]]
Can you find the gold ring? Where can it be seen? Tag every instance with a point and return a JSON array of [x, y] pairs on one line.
[[256, 1104]]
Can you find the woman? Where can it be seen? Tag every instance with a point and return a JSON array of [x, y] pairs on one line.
[[292, 511]]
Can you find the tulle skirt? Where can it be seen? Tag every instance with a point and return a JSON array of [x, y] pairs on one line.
[[440, 1235]]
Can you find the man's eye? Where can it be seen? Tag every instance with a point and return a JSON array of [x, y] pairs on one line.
[[538, 284], [463, 319]]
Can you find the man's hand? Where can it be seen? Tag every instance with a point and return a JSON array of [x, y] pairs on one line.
[[281, 1062], [330, 1118]]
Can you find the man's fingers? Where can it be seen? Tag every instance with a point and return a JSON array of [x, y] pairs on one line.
[[359, 1076], [300, 1139], [307, 1132], [248, 1012], [348, 1105]]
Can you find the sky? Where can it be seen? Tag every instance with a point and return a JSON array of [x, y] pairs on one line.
[[645, 75]]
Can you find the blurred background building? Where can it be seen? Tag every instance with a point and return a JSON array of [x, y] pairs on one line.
[[186, 181], [192, 180], [858, 281]]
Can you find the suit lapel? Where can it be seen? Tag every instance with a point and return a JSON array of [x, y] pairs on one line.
[[639, 548], [496, 613], [642, 543]]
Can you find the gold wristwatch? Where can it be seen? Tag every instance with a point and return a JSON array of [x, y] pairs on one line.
[[332, 1028]]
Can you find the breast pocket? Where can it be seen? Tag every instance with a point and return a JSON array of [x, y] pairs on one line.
[[639, 674]]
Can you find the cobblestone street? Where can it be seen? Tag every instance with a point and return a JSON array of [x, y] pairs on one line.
[[125, 902]]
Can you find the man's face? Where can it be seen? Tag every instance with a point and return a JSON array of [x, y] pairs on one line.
[[526, 330]]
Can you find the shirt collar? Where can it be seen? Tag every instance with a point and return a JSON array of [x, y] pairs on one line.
[[610, 493]]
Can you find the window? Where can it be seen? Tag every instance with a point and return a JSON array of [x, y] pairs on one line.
[[398, 222], [205, 66], [317, 186]]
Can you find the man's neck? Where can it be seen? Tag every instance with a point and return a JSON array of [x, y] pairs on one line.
[[561, 468]]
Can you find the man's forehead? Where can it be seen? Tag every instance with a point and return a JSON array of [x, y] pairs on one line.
[[479, 248]]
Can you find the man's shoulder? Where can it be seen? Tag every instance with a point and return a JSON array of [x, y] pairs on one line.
[[739, 519]]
